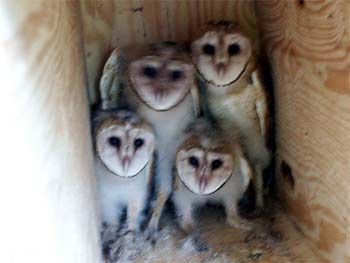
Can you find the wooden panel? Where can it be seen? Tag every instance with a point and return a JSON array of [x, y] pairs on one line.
[[47, 186], [309, 46], [111, 23]]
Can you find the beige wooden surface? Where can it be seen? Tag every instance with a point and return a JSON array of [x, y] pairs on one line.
[[111, 23], [46, 191], [308, 43]]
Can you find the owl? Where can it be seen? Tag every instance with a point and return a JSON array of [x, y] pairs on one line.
[[158, 82], [226, 63], [161, 75], [124, 159], [210, 168], [163, 78]]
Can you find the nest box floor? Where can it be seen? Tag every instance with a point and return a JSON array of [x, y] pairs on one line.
[[226, 245]]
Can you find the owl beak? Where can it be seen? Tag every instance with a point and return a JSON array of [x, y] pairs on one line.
[[221, 68], [126, 162], [159, 94], [203, 181]]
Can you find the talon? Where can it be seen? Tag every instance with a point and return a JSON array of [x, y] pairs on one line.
[[153, 242], [122, 234], [115, 253], [106, 251], [200, 244], [203, 247], [151, 236]]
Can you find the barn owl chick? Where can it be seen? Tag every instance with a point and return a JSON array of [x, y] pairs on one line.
[[160, 86], [211, 168], [124, 146], [225, 60]]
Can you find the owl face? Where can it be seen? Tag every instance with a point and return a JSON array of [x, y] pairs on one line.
[[161, 81], [124, 147], [221, 57], [203, 169]]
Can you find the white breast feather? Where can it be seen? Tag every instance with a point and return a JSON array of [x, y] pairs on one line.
[[114, 190]]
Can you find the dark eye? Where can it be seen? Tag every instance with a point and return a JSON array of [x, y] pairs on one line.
[[150, 72], [216, 164], [193, 161], [114, 141], [138, 143], [209, 49], [234, 49], [176, 74]]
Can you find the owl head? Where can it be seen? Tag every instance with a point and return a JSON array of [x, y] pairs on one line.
[[205, 161], [124, 142], [222, 54], [162, 76]]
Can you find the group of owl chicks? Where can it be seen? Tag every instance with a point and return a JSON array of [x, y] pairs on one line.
[[190, 123]]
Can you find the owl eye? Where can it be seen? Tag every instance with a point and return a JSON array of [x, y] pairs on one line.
[[175, 75], [216, 164], [234, 49], [114, 141], [138, 143], [209, 49], [150, 72], [193, 161]]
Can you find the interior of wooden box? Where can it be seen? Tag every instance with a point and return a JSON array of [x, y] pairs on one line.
[[305, 43], [55, 48]]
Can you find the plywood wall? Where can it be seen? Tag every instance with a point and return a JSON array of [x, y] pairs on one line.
[[308, 43], [47, 185], [111, 23]]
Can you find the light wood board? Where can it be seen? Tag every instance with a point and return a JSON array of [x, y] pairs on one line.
[[48, 211], [308, 43]]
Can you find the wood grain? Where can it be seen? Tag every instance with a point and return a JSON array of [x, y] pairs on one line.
[[308, 43], [111, 23], [47, 186]]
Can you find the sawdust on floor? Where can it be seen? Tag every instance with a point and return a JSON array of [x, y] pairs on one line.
[[226, 244]]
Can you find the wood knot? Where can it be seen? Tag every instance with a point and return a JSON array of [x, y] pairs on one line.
[[287, 174], [137, 9], [301, 3]]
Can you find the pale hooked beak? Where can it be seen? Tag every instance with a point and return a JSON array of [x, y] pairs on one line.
[[160, 92], [159, 95], [126, 162], [203, 181], [221, 68]]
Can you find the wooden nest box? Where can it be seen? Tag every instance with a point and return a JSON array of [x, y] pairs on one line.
[[51, 51]]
